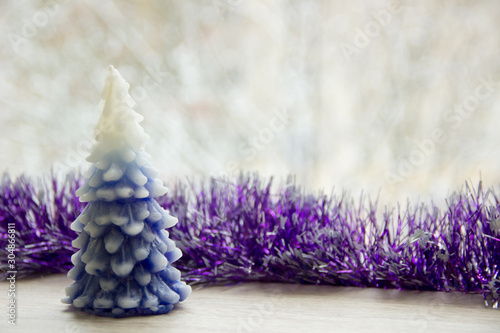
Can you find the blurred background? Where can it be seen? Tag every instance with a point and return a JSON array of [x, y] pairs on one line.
[[395, 98]]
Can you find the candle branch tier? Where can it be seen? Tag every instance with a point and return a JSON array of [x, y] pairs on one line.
[[124, 265]]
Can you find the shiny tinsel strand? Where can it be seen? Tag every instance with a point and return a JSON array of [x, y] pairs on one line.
[[239, 230], [41, 211]]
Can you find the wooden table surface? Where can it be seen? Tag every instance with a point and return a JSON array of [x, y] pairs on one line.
[[261, 307]]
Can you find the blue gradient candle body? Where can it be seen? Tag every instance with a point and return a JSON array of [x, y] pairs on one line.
[[124, 265]]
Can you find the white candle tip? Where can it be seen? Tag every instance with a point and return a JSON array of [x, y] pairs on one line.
[[119, 123]]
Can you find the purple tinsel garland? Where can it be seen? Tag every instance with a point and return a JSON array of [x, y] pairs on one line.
[[235, 231]]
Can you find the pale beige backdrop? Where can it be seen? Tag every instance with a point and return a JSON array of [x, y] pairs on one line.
[[344, 94], [398, 97]]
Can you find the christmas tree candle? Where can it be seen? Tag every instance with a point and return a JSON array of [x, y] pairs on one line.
[[124, 263]]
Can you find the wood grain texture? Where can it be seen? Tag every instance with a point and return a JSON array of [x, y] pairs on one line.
[[262, 307]]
